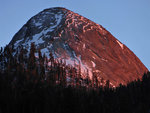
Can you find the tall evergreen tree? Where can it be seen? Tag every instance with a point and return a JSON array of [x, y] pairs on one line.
[[32, 59]]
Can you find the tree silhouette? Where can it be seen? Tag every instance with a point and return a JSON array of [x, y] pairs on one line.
[[23, 89]]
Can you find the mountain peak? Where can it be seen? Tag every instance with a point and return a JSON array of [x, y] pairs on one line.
[[70, 36], [55, 8]]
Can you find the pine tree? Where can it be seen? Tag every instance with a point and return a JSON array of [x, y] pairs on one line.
[[107, 86], [41, 68], [32, 59], [51, 60], [1, 50]]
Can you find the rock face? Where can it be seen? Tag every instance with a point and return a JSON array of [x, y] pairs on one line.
[[76, 39]]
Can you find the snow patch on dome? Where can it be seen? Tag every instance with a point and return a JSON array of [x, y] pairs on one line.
[[121, 45], [93, 64], [17, 42]]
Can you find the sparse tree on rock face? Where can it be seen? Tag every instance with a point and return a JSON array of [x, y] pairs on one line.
[[32, 59], [41, 68], [79, 75], [39, 54], [95, 83], [1, 50], [107, 86], [22, 58], [51, 58], [64, 81], [102, 80]]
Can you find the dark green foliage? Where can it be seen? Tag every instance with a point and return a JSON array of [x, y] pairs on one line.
[[30, 85]]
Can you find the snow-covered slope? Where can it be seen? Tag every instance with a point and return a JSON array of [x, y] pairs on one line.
[[78, 40]]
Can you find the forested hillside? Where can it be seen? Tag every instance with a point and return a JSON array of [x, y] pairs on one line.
[[37, 84]]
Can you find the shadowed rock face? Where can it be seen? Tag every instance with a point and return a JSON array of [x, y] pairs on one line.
[[74, 38]]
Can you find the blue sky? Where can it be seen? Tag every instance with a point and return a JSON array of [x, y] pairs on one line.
[[127, 20]]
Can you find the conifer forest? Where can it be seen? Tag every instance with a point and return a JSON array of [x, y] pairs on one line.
[[43, 84]]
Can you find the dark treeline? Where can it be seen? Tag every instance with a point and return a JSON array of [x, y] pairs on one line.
[[30, 84]]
